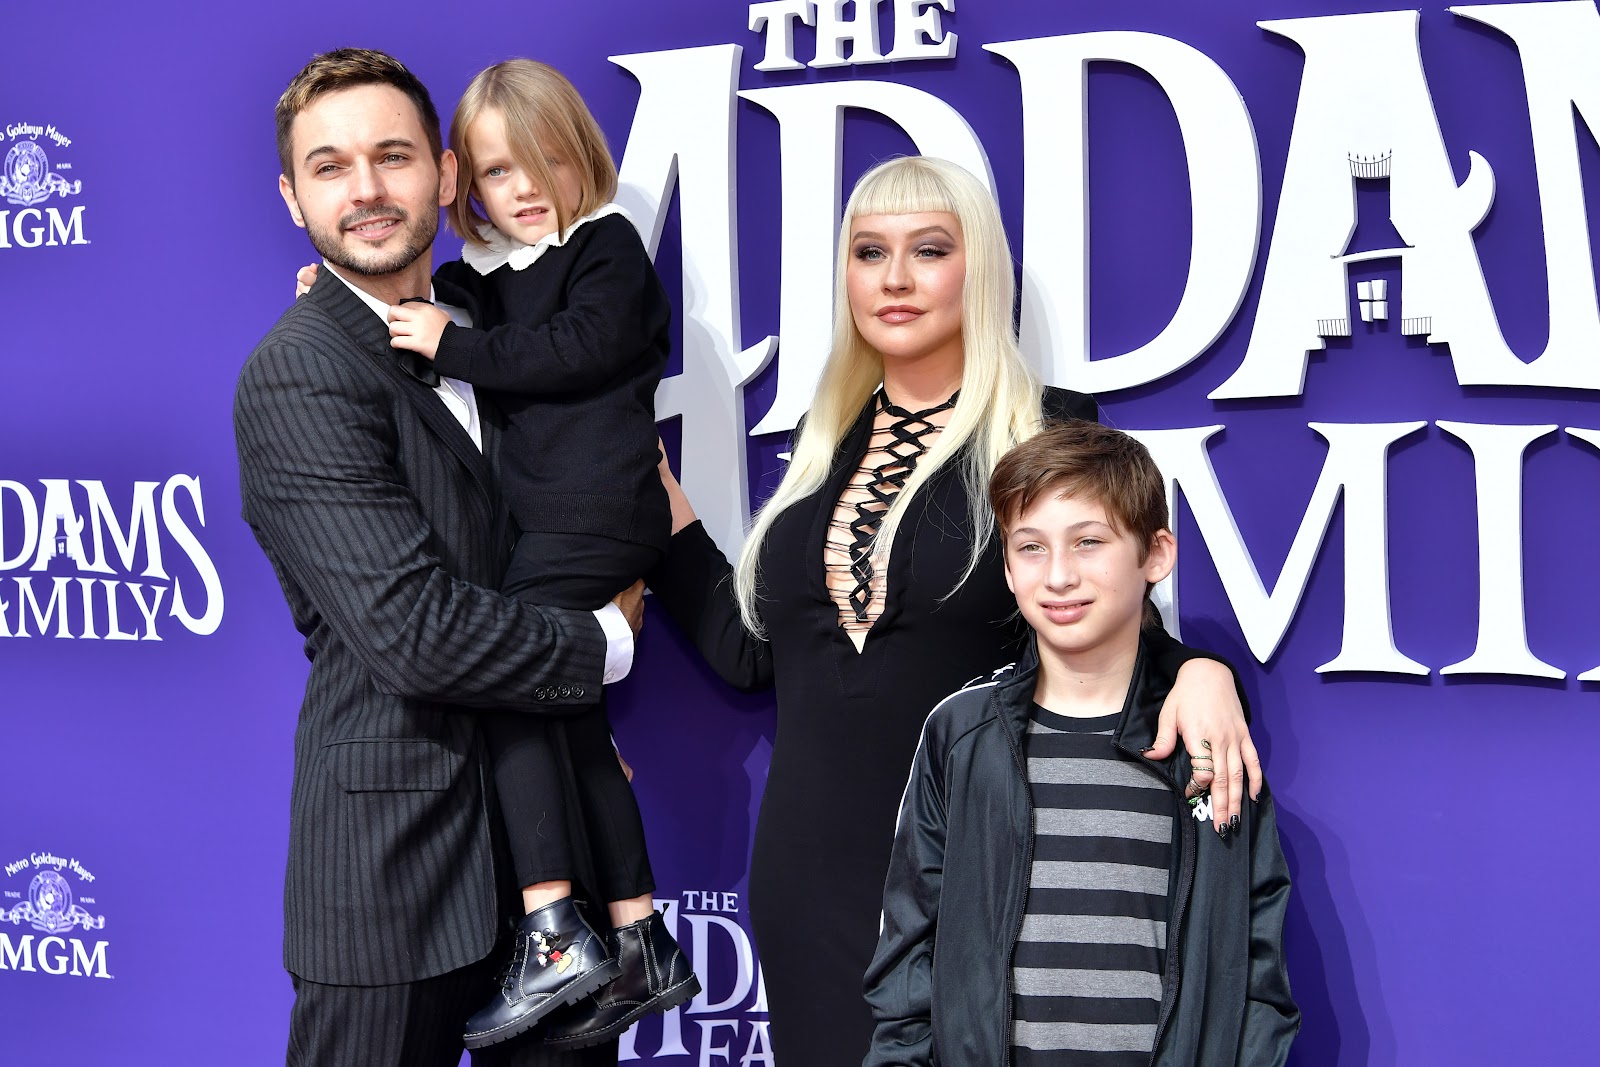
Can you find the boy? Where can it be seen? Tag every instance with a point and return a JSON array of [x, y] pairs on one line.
[[1051, 898]]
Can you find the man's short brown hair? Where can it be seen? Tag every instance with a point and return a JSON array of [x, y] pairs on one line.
[[346, 68], [1078, 458]]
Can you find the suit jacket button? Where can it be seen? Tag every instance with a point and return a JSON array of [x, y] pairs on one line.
[[542, 693], [577, 690], [564, 691]]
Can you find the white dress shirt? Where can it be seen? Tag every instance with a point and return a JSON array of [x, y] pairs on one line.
[[461, 402]]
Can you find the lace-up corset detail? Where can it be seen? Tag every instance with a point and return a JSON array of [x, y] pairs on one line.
[[899, 439]]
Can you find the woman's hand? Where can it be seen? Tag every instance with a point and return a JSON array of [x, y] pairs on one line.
[[682, 511], [304, 279], [1203, 710]]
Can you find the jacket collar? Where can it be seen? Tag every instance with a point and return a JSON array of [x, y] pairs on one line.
[[335, 298], [1141, 708]]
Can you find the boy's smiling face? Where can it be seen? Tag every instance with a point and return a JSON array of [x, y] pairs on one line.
[[1079, 581]]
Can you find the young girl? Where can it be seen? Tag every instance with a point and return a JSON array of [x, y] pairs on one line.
[[575, 344]]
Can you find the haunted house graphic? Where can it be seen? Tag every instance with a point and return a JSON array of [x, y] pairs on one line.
[[1377, 242]]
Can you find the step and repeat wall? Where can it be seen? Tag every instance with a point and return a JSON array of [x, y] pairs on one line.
[[1332, 262]]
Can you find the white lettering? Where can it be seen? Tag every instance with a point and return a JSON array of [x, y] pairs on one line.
[[744, 977], [35, 235], [663, 151], [52, 963], [1502, 627], [1356, 468], [30, 524], [775, 20], [860, 32], [87, 964], [17, 957], [57, 607], [70, 230], [1225, 198], [708, 1034], [141, 515], [210, 581], [919, 32]]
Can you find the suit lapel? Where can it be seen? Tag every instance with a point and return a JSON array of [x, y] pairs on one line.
[[371, 335]]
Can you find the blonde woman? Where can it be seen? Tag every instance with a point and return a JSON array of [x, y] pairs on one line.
[[871, 583]]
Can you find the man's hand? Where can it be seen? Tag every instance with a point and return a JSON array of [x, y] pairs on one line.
[[631, 601], [304, 279], [417, 327], [1203, 708]]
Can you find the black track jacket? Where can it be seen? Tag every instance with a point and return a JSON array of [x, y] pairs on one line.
[[940, 982]]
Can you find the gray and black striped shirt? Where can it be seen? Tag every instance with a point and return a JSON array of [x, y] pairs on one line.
[[1086, 971]]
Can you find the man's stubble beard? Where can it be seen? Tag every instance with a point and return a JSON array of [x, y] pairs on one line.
[[416, 237]]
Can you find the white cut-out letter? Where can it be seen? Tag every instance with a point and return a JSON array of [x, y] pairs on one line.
[[683, 137], [1502, 625], [1224, 194], [1356, 468]]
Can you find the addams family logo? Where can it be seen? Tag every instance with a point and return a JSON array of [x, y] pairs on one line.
[[44, 925], [725, 1024], [77, 564], [1377, 130], [29, 183]]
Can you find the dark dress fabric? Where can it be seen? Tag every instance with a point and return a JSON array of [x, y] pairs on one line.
[[848, 724]]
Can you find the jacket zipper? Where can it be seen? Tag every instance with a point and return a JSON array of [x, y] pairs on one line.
[[1186, 861], [1027, 868]]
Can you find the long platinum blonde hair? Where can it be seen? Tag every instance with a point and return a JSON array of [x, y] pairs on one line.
[[1000, 394]]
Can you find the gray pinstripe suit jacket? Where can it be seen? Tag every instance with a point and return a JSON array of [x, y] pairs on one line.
[[384, 526]]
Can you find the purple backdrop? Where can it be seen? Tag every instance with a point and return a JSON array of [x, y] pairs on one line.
[[1441, 912]]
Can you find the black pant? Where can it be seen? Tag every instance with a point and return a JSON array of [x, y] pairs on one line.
[[415, 1024], [583, 572]]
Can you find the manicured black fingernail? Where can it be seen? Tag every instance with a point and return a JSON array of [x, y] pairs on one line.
[[1233, 824], [1222, 831], [1151, 748]]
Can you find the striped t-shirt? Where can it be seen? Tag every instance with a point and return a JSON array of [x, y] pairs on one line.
[[1086, 971]]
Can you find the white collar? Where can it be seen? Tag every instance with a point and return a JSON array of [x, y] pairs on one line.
[[503, 251], [379, 308]]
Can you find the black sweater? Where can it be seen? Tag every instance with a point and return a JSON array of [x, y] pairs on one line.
[[575, 346]]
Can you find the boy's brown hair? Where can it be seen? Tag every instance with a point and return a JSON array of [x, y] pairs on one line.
[[544, 116], [347, 68], [1084, 459]]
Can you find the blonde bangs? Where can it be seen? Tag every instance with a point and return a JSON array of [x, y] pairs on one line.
[[999, 405]]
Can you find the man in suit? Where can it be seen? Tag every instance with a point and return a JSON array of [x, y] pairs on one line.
[[369, 483]]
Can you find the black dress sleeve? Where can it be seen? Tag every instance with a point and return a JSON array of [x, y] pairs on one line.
[[694, 582]]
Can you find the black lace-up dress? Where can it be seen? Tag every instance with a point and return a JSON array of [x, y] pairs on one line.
[[859, 659]]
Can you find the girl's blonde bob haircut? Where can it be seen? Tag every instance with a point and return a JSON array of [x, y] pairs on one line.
[[1000, 394], [544, 117]]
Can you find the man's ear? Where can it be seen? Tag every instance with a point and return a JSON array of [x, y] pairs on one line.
[[286, 190], [1162, 557], [447, 178]]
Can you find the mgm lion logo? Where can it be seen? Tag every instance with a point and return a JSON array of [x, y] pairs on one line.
[[49, 907], [27, 180]]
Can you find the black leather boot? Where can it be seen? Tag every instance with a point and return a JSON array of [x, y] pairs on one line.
[[557, 959], [655, 976]]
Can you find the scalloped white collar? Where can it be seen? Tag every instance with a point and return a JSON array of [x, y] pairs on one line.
[[505, 251]]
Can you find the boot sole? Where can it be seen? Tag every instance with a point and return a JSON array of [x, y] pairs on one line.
[[668, 999], [570, 994]]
